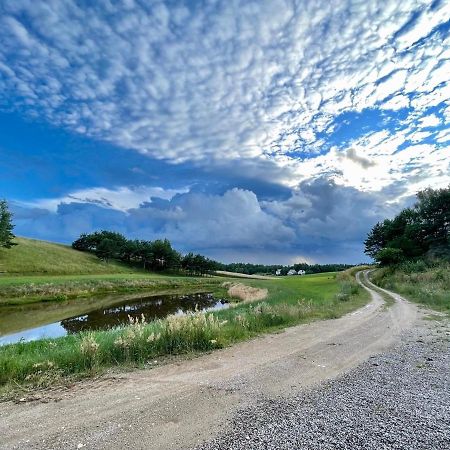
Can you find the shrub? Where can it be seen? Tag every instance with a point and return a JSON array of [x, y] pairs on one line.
[[389, 255]]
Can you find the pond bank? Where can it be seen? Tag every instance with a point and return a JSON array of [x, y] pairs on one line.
[[21, 290], [56, 319], [290, 301]]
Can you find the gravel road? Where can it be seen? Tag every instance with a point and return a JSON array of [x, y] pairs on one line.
[[390, 390], [397, 400]]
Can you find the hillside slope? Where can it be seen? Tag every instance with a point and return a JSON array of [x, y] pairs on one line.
[[424, 282], [41, 257]]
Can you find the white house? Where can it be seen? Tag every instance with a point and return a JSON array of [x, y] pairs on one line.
[[292, 272], [278, 272], [301, 272]]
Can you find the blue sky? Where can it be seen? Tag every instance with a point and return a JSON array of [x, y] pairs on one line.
[[269, 131]]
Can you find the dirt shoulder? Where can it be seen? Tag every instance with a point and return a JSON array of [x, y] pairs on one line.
[[183, 404]]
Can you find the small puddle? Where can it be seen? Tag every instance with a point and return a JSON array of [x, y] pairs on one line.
[[109, 313]]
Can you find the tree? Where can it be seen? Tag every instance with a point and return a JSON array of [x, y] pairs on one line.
[[375, 239], [101, 240], [164, 256], [433, 210], [415, 232], [106, 249], [389, 255], [6, 226], [145, 253]]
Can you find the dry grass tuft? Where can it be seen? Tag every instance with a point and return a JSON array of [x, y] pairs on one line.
[[245, 293]]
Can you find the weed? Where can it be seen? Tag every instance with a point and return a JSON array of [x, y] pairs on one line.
[[419, 281]]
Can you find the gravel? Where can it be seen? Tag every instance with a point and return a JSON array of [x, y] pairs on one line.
[[396, 400]]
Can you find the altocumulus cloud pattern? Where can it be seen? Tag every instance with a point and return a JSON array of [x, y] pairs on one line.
[[342, 107]]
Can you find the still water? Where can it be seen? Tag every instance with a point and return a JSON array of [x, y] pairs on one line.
[[51, 320]]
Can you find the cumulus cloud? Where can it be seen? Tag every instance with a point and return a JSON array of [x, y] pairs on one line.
[[191, 220], [342, 103], [313, 224]]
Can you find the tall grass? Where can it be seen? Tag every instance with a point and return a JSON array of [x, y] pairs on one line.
[[41, 363], [424, 282]]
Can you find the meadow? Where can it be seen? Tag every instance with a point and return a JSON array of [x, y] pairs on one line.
[[290, 301], [39, 271], [31, 257], [21, 290]]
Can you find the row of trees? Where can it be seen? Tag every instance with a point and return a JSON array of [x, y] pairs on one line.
[[151, 255], [160, 255], [252, 269], [6, 226], [421, 230]]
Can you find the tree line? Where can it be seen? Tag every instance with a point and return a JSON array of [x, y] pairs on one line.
[[422, 230], [252, 269], [157, 255]]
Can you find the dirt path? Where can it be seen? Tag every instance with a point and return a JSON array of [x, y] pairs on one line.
[[182, 404]]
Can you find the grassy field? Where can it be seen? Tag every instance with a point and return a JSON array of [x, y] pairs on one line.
[[424, 283], [19, 290], [35, 271], [33, 257], [290, 301]]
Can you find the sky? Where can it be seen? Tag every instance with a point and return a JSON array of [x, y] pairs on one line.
[[269, 131]]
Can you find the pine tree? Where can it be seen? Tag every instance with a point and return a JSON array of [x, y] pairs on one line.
[[6, 226]]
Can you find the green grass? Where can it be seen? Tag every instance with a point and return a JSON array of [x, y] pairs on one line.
[[424, 283], [38, 271], [34, 289], [291, 300], [32, 257]]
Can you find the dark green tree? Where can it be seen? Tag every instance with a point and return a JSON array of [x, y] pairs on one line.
[[6, 226], [415, 232], [388, 255], [106, 249], [433, 209], [164, 256]]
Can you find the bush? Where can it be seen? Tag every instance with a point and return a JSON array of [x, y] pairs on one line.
[[389, 255]]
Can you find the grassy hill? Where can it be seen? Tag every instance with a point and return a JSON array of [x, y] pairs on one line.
[[40, 257]]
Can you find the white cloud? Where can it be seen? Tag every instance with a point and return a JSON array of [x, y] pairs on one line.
[[312, 225], [430, 121], [259, 90], [443, 136], [396, 103], [121, 198], [225, 81]]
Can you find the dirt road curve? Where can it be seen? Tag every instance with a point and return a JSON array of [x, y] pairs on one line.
[[183, 404]]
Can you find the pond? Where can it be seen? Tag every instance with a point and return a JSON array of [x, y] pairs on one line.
[[50, 320]]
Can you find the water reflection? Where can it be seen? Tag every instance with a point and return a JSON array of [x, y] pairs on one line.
[[108, 316]]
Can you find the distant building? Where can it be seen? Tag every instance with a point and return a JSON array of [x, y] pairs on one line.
[[292, 272], [301, 272], [278, 272]]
